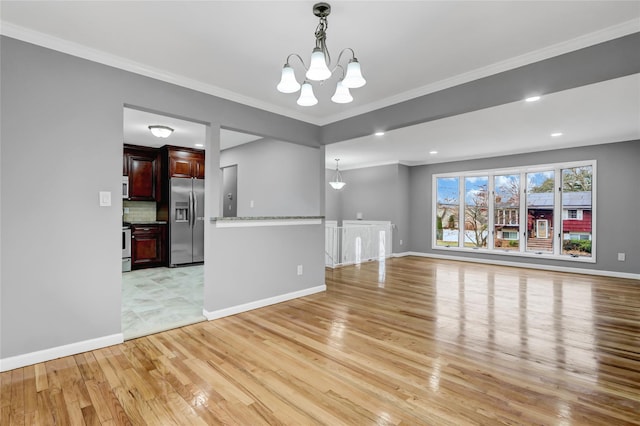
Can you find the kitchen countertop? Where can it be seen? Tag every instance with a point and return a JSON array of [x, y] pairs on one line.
[[265, 218], [146, 222], [253, 221]]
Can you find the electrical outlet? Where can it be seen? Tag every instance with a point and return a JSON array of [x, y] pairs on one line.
[[400, 242], [622, 257], [251, 203], [299, 269]]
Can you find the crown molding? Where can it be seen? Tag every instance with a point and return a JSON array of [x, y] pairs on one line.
[[81, 51], [586, 40], [85, 52]]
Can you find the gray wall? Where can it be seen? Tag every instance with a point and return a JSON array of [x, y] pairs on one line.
[[333, 200], [379, 193], [259, 274], [618, 195], [61, 143], [276, 176]]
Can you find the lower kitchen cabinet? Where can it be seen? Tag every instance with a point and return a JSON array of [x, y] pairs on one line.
[[148, 246]]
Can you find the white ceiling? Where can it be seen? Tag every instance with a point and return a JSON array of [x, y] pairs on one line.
[[589, 115], [185, 133], [235, 49]]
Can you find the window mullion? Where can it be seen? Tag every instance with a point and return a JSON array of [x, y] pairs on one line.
[[523, 212], [557, 212], [491, 195], [461, 206]]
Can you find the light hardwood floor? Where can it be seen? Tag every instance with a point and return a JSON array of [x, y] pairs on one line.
[[409, 341]]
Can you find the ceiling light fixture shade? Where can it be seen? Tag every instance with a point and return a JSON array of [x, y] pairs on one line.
[[318, 70], [320, 66], [288, 82], [307, 98], [161, 131], [354, 78], [342, 95], [337, 182]]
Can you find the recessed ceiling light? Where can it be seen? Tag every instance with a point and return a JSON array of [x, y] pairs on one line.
[[532, 98], [199, 145], [379, 133], [433, 152], [556, 134]]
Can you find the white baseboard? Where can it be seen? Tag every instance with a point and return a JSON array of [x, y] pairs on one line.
[[527, 265], [403, 254], [18, 361], [211, 315]]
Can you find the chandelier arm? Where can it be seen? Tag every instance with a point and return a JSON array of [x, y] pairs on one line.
[[299, 58], [353, 54]]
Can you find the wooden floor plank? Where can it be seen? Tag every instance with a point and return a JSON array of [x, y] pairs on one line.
[[407, 341]]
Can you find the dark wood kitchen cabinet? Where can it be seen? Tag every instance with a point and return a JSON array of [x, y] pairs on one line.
[[143, 166], [184, 162], [148, 246]]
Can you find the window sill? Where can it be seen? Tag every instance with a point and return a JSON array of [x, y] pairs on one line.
[[509, 253]]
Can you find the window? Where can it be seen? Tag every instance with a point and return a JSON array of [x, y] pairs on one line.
[[540, 211], [543, 210], [509, 235], [506, 202], [476, 211], [447, 211], [577, 203], [571, 214]]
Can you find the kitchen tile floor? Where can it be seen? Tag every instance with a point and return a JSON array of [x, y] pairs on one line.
[[159, 299]]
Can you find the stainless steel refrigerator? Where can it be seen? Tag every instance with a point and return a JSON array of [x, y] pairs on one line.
[[186, 221]]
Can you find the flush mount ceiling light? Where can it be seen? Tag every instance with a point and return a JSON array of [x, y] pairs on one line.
[[319, 67], [532, 98], [337, 182], [161, 131]]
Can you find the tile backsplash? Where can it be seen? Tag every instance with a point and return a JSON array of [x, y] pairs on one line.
[[139, 211]]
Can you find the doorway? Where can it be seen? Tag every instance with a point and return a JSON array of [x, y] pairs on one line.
[[155, 296], [542, 228]]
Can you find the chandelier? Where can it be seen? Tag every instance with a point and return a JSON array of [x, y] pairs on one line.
[[337, 182], [319, 67]]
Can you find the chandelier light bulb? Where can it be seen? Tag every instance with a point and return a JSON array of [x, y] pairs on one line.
[[288, 82], [342, 95], [318, 70], [354, 79], [307, 98]]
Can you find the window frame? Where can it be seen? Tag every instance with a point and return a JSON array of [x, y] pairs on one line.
[[558, 213]]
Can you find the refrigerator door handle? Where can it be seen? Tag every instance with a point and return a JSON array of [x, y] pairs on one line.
[[191, 212], [195, 208]]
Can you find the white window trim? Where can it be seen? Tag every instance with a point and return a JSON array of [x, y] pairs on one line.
[[521, 171]]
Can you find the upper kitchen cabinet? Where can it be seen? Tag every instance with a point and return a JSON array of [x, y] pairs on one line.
[[142, 165], [185, 162]]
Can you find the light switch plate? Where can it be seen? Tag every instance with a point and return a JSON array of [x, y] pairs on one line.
[[105, 198]]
